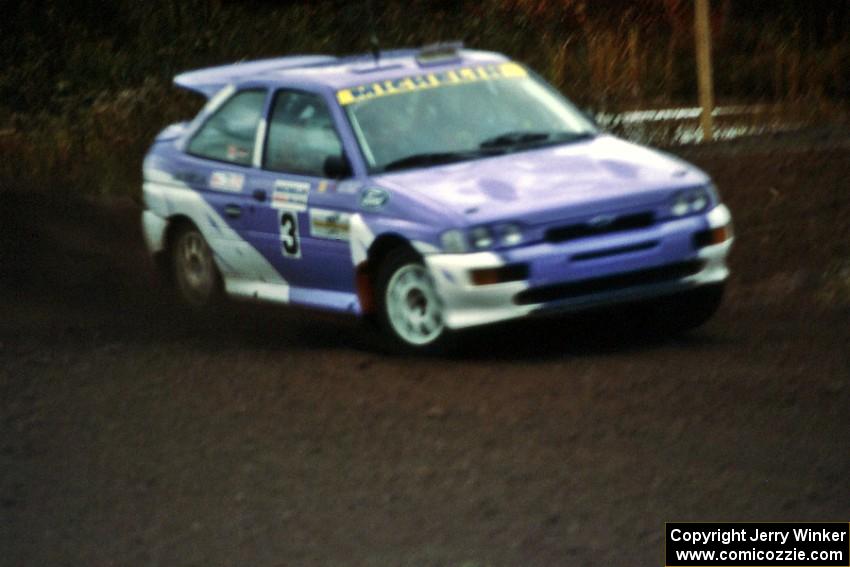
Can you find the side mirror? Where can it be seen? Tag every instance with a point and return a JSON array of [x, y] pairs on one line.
[[337, 167], [590, 114]]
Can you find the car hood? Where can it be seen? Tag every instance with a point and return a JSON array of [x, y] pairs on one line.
[[538, 185]]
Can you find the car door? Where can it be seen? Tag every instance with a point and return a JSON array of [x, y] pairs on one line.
[[220, 154], [217, 163], [304, 229]]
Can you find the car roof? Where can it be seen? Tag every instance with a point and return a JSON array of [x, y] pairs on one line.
[[331, 72]]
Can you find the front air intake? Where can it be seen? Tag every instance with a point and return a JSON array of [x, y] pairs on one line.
[[662, 274]]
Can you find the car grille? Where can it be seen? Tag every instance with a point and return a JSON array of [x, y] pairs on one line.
[[670, 272], [583, 230]]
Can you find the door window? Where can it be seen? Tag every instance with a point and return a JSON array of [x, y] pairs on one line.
[[301, 135], [230, 133]]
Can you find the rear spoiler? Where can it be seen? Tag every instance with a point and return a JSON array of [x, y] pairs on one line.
[[212, 79]]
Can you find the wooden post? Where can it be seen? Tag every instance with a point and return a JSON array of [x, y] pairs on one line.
[[702, 33], [634, 64]]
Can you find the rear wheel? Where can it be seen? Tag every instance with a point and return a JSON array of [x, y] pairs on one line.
[[410, 312], [195, 273]]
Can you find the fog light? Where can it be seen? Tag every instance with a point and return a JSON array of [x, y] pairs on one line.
[[712, 236], [502, 274]]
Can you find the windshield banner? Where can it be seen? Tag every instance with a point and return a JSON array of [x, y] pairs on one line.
[[430, 81]]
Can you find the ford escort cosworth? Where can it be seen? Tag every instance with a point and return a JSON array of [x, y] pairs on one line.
[[429, 190]]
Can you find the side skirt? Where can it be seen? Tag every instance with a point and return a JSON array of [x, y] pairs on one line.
[[252, 290]]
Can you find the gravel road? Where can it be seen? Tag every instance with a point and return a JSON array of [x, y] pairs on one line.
[[133, 434]]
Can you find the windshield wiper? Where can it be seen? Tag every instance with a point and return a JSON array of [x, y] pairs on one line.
[[515, 138], [524, 138], [435, 158], [493, 146]]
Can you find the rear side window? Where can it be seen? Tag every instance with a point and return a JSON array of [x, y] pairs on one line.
[[301, 134], [230, 133]]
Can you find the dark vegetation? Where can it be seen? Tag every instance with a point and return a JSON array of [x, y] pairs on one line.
[[86, 83]]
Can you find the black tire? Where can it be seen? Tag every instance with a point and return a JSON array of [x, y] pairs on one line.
[[400, 263], [684, 311], [196, 278]]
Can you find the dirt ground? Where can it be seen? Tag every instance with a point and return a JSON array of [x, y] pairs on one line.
[[132, 434]]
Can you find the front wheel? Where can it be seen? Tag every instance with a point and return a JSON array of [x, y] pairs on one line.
[[409, 310]]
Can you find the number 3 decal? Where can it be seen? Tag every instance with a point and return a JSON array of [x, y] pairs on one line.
[[289, 244]]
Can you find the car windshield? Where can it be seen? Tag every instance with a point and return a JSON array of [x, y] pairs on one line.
[[444, 122]]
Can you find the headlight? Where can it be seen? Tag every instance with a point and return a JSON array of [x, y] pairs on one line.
[[691, 201], [481, 237], [453, 241], [457, 241], [510, 235]]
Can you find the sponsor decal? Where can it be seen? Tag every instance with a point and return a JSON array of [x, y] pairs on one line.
[[430, 80], [348, 187], [325, 186], [227, 181], [290, 195], [333, 225], [236, 153], [290, 243], [374, 198]]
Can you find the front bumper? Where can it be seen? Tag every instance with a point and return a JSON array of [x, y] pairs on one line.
[[585, 273], [153, 228]]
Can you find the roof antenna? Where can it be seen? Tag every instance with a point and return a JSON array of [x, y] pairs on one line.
[[373, 36]]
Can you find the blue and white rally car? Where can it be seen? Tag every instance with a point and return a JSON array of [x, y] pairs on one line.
[[432, 190]]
